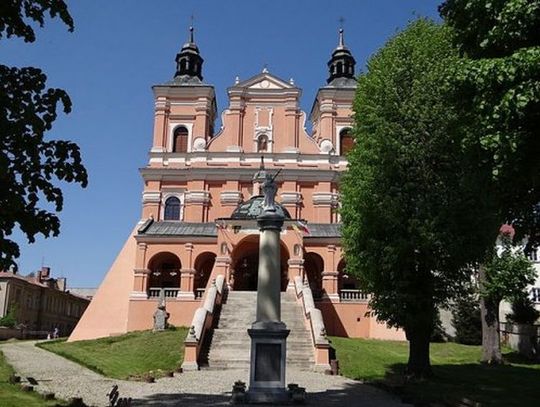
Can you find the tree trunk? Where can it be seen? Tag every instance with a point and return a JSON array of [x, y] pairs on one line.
[[489, 311], [418, 366]]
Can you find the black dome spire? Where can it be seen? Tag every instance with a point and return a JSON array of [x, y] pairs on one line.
[[342, 63], [189, 62]]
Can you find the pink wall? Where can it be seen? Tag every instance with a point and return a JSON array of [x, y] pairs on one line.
[[107, 313]]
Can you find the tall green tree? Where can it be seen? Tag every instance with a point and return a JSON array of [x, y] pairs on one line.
[[30, 164], [504, 277], [411, 217], [498, 83]]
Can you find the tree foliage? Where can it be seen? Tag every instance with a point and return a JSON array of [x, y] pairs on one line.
[[466, 318], [29, 163], [508, 273], [411, 214], [504, 276], [498, 85]]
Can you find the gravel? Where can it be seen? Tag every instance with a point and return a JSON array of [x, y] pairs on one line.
[[202, 388]]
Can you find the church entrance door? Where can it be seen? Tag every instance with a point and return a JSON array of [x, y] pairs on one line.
[[245, 264]]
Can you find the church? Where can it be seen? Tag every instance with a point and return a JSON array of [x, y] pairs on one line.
[[202, 195]]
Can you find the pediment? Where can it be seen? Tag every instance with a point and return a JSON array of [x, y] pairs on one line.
[[264, 80]]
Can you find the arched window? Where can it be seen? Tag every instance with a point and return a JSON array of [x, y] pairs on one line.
[[346, 141], [172, 208], [262, 143], [180, 140]]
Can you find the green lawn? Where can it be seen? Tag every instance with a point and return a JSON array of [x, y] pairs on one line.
[[133, 354], [458, 374], [12, 396]]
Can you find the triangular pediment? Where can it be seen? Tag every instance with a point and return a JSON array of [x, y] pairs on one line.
[[264, 80]]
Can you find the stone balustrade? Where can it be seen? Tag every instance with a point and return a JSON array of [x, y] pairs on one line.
[[346, 295], [154, 292], [316, 323], [201, 323]]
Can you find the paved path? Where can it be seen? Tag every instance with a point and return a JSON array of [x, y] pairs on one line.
[[204, 388]]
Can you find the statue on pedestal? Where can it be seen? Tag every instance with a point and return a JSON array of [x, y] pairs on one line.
[[161, 316]]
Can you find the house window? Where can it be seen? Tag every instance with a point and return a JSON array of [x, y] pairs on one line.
[[172, 208], [346, 141], [180, 140], [535, 294], [262, 143]]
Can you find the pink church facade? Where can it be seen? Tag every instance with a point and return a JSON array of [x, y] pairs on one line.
[[200, 193]]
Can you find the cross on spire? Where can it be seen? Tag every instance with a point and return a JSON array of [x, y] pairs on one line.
[[192, 18]]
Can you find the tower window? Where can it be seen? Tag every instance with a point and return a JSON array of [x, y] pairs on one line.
[[346, 141], [180, 141], [172, 208], [262, 143]]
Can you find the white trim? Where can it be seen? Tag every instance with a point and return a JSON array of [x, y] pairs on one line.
[[166, 194], [339, 129], [172, 127]]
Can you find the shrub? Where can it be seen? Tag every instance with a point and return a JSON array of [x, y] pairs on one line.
[[467, 320], [9, 320], [523, 311]]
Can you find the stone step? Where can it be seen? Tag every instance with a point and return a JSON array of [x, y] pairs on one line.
[[231, 344]]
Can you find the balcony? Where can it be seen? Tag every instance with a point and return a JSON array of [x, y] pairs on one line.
[[155, 292], [353, 296]]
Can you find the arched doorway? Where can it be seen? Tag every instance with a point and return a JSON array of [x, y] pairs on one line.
[[164, 271], [345, 280], [245, 264], [204, 263], [314, 266]]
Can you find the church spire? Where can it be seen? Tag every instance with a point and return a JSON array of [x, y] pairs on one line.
[[189, 61], [341, 64]]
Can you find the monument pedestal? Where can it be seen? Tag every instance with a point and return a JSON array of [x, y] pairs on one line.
[[268, 359]]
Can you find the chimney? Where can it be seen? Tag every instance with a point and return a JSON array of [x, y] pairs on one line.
[[61, 283], [43, 274]]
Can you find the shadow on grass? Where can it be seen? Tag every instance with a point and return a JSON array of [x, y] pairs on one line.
[[351, 395], [468, 384]]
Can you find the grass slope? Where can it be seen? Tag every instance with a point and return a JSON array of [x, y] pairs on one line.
[[133, 354], [12, 396], [458, 374]]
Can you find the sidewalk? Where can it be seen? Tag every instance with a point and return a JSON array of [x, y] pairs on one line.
[[203, 388]]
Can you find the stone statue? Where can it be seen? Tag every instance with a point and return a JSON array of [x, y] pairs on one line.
[[269, 188], [161, 316]]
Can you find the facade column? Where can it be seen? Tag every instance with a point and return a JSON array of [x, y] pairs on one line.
[[187, 277], [222, 266], [296, 269], [330, 275], [140, 273]]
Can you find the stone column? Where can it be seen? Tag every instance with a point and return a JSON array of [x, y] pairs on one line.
[[187, 277], [269, 277], [268, 334], [330, 276]]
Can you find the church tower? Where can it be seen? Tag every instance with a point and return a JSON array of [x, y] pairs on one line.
[[185, 111], [332, 111]]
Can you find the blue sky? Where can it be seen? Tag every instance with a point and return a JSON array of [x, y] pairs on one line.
[[121, 48]]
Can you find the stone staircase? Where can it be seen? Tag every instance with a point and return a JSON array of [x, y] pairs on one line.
[[230, 343]]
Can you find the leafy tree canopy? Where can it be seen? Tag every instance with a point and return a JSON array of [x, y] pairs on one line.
[[508, 273], [29, 163], [498, 85], [411, 214]]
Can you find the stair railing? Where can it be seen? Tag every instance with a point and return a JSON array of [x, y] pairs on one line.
[[316, 323], [202, 323]]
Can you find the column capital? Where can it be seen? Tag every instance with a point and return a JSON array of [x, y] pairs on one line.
[[270, 221], [141, 271]]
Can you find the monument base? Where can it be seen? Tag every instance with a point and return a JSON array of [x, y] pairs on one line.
[[267, 366]]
